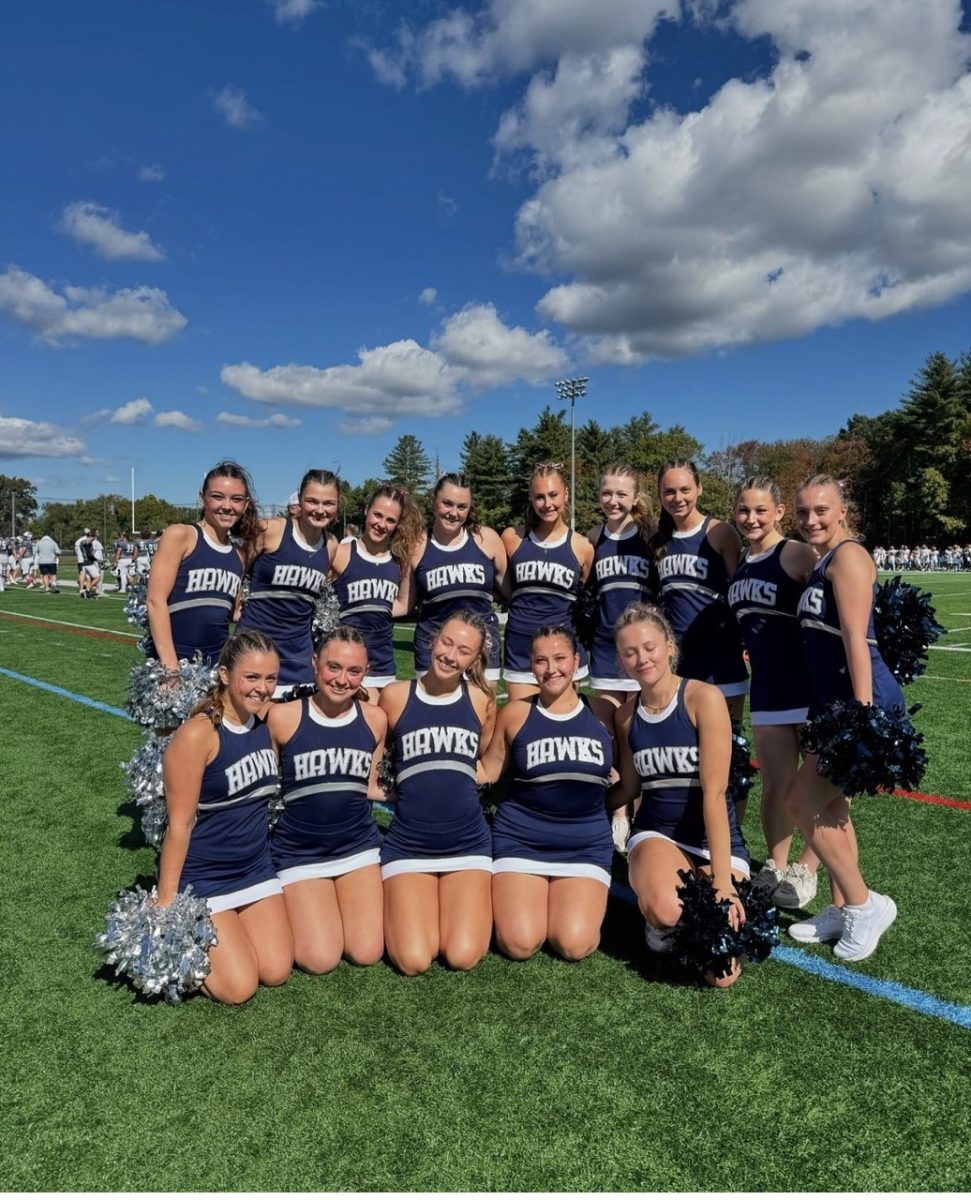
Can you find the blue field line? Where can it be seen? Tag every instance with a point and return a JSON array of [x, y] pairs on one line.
[[884, 989], [65, 694]]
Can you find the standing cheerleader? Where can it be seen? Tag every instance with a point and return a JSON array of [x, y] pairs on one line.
[[220, 774], [197, 570], [696, 556], [325, 845], [436, 861], [292, 558], [764, 596], [458, 565], [552, 844], [368, 576], [674, 743], [836, 614], [547, 564], [621, 571]]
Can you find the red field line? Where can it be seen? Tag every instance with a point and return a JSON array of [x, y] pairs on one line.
[[64, 628], [924, 798]]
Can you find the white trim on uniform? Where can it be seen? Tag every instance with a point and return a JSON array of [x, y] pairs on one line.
[[437, 866], [786, 716], [739, 865], [532, 866], [247, 895], [332, 868]]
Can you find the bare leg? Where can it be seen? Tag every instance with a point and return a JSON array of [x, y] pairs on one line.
[[577, 910], [820, 810], [521, 907], [465, 917], [411, 921]]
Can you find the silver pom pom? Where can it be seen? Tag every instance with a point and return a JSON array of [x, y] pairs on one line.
[[327, 614], [276, 806], [136, 606], [164, 951], [162, 699], [143, 777]]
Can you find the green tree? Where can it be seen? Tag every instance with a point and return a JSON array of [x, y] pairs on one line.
[[485, 461], [595, 452], [18, 503], [408, 463], [547, 441]]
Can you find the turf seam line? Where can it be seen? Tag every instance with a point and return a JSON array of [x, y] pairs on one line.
[[883, 989]]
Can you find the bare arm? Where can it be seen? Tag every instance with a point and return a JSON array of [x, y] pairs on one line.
[[193, 745], [727, 543], [176, 542], [495, 759], [511, 539], [584, 550], [378, 724], [405, 600], [852, 573], [708, 712], [628, 786], [492, 544], [340, 559]]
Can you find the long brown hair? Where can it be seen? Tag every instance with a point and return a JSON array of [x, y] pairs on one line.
[[460, 480], [642, 510], [245, 641], [248, 527], [665, 522], [411, 526]]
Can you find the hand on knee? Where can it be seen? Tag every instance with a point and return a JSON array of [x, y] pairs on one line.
[[726, 980]]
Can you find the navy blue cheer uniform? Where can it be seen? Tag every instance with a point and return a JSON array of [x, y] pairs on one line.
[[366, 592], [693, 584], [545, 581], [621, 575], [283, 587], [228, 861], [765, 601], [326, 828], [439, 824], [447, 580], [555, 821], [666, 757], [829, 676], [201, 602]]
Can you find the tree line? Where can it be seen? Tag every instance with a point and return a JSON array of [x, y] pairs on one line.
[[908, 470]]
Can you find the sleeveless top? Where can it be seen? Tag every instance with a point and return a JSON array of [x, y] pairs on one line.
[[545, 580], [366, 592], [202, 598], [448, 579], [765, 601], [825, 655], [666, 757], [325, 768], [228, 846], [622, 575], [561, 762], [283, 586], [693, 583], [438, 812]]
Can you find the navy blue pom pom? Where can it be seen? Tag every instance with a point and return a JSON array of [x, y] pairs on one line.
[[742, 772], [864, 748], [583, 614], [904, 621], [704, 938]]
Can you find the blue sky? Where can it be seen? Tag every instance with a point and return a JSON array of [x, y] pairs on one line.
[[289, 232]]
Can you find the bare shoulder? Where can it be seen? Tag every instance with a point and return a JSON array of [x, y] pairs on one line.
[[512, 538], [393, 699], [376, 718], [605, 709], [488, 540], [283, 720], [797, 559], [196, 736], [704, 701], [722, 536], [624, 713]]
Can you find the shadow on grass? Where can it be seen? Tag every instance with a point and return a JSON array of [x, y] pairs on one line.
[[132, 839]]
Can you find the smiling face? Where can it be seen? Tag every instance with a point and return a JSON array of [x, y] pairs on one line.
[[381, 520], [820, 516], [617, 496], [317, 506], [249, 683], [549, 496], [553, 661], [679, 493], [645, 652], [451, 507], [455, 649], [756, 515], [223, 502], [340, 668]]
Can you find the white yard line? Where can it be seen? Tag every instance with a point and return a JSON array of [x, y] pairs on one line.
[[69, 624]]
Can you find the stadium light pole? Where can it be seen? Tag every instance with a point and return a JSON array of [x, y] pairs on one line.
[[572, 390]]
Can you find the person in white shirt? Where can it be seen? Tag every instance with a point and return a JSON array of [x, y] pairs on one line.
[[46, 552]]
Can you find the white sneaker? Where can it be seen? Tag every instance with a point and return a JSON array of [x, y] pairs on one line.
[[797, 888], [863, 926], [660, 941], [769, 877], [823, 927]]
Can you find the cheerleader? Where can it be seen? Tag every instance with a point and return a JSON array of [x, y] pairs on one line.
[[325, 844], [764, 596], [197, 571], [287, 573], [436, 860], [836, 614], [547, 564], [371, 576], [621, 571], [220, 774], [674, 743], [696, 556], [551, 837], [458, 565]]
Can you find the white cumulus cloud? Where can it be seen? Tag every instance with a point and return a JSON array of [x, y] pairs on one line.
[[489, 353], [174, 419], [235, 109], [151, 173], [277, 421], [100, 228], [427, 295], [141, 313], [20, 438], [366, 426], [292, 12], [131, 413]]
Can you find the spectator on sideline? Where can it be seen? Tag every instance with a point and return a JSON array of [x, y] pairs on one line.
[[46, 552]]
